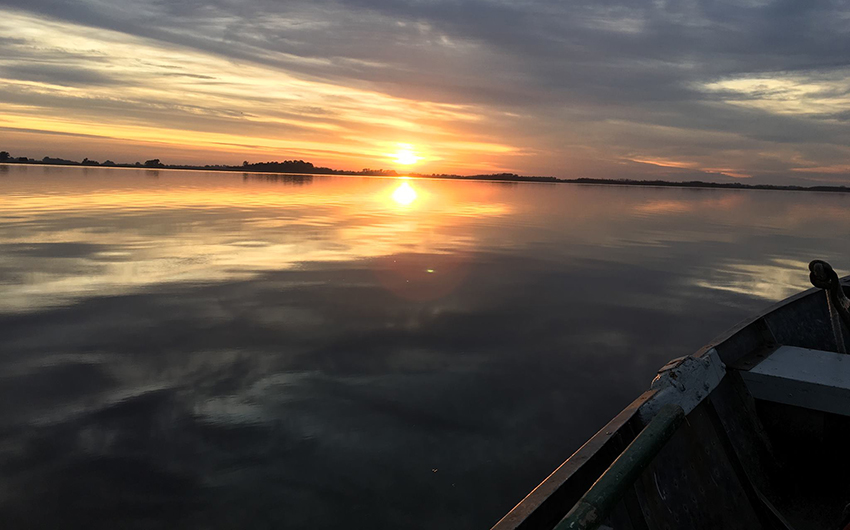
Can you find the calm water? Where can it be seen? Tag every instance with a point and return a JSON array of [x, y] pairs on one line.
[[208, 350]]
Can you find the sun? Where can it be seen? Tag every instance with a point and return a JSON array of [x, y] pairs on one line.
[[405, 155]]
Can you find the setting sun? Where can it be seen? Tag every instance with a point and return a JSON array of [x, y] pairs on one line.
[[405, 155]]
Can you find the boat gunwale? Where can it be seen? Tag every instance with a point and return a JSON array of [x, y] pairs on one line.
[[718, 341], [533, 511]]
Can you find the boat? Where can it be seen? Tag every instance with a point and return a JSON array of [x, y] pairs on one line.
[[751, 431]]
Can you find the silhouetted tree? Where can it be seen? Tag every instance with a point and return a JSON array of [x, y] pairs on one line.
[[154, 163], [4, 155], [245, 163], [108, 163], [87, 162]]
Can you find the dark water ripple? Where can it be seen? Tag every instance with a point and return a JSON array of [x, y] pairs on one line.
[[207, 351]]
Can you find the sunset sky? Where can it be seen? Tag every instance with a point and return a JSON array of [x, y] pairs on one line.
[[712, 90]]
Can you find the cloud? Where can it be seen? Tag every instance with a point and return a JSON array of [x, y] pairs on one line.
[[543, 77], [54, 74]]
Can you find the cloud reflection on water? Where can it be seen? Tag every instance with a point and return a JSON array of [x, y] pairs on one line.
[[203, 350]]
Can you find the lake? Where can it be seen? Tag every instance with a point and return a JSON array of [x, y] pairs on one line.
[[185, 349]]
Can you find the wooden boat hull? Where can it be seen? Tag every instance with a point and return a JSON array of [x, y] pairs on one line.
[[767, 408]]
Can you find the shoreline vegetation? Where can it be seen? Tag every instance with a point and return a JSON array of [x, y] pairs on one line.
[[300, 167]]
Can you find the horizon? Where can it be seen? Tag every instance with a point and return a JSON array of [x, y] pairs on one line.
[[284, 167], [752, 92]]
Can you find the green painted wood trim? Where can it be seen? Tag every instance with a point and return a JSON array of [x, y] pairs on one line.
[[595, 506]]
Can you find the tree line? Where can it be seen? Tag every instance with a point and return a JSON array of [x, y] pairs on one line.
[[6, 157], [285, 166]]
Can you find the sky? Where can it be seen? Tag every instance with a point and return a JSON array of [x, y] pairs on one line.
[[755, 91]]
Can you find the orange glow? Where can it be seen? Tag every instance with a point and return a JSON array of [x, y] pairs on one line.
[[406, 156], [664, 162], [220, 116]]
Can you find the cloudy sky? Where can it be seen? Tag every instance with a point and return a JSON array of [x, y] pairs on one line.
[[746, 89]]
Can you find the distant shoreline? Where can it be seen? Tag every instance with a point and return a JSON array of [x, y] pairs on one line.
[[299, 167]]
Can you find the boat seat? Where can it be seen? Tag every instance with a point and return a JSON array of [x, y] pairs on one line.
[[812, 379]]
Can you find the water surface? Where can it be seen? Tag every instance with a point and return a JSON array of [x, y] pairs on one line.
[[215, 350]]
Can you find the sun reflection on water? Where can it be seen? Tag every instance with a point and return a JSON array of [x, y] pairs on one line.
[[70, 234], [404, 194]]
